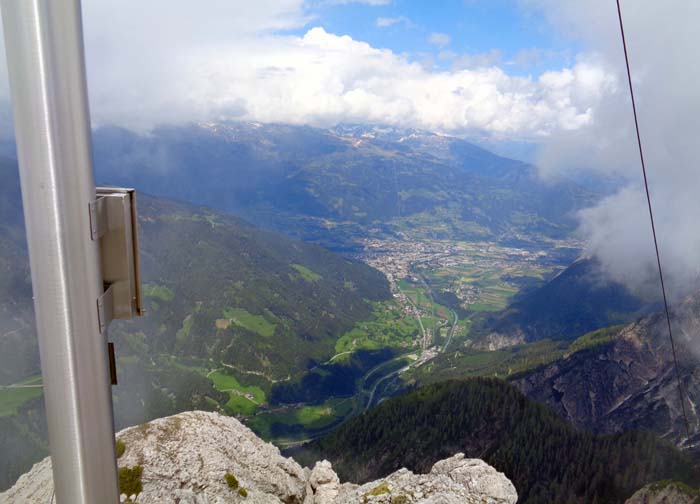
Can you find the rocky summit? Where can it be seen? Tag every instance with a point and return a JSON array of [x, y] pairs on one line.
[[665, 492], [206, 458]]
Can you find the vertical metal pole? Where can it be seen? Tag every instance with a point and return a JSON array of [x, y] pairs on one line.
[[43, 40]]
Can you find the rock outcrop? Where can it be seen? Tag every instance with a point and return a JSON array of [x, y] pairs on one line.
[[451, 481], [206, 458], [665, 493], [629, 383], [497, 341]]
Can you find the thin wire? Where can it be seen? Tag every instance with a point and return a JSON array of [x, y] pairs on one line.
[[653, 227]]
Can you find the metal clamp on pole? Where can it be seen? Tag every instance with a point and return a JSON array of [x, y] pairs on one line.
[[113, 221]]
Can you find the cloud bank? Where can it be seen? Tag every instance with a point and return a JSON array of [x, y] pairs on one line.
[[169, 62], [662, 40]]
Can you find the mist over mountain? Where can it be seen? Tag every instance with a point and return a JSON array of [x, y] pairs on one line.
[[336, 186], [661, 40]]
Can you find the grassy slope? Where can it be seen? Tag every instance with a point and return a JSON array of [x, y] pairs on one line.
[[233, 293], [198, 267]]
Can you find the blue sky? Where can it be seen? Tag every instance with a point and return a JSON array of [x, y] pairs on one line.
[[526, 43]]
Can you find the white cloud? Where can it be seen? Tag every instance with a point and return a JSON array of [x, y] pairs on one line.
[[439, 39], [386, 22], [176, 62], [662, 40]]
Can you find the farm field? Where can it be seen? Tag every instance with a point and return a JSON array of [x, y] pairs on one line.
[[389, 327], [254, 323], [296, 422], [14, 396]]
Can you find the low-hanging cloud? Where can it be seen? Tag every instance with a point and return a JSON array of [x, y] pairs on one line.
[[663, 40]]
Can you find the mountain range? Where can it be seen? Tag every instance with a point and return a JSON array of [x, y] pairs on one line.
[[211, 282], [591, 350], [246, 313], [627, 380], [341, 185]]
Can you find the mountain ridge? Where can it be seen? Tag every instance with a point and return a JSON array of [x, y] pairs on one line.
[[579, 299], [232, 310], [325, 186]]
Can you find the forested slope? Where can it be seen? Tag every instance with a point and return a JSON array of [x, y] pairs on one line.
[[546, 459]]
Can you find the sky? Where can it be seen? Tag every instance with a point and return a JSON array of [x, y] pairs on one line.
[[542, 73], [484, 68], [453, 33]]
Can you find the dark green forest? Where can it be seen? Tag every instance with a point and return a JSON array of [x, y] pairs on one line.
[[547, 460]]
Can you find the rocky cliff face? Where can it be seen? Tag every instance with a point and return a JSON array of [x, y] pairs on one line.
[[629, 383], [665, 493], [206, 458]]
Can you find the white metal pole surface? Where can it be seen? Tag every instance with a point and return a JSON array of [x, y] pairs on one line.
[[44, 44]]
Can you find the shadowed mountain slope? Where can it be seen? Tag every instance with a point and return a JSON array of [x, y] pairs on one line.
[[576, 301]]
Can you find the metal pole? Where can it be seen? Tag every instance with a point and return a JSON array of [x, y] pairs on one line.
[[43, 40]]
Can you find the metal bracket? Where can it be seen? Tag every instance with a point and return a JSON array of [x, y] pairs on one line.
[[105, 308], [98, 219], [113, 221]]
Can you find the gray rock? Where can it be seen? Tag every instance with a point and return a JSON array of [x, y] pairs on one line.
[[630, 383], [324, 483], [454, 480], [665, 493], [185, 459]]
